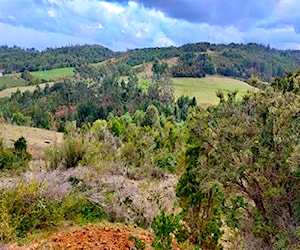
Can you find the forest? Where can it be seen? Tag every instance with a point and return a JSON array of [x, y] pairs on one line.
[[243, 61], [229, 173]]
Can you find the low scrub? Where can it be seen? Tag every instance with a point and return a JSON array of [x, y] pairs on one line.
[[25, 210], [69, 155], [14, 158]]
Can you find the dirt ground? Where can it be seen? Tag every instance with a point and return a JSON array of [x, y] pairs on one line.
[[106, 236]]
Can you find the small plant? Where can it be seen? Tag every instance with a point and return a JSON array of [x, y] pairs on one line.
[[138, 244], [165, 226], [53, 157], [73, 152], [14, 158]]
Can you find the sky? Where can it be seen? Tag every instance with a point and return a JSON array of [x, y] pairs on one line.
[[122, 25]]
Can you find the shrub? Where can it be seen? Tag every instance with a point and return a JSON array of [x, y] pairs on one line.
[[14, 158], [164, 226], [73, 152], [53, 157], [26, 210]]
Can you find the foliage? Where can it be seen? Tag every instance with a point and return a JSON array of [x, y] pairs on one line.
[[14, 158], [138, 244], [73, 151], [165, 227], [193, 65], [25, 210], [243, 160], [15, 59]]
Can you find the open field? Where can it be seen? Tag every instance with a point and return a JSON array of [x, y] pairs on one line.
[[37, 139], [7, 92], [11, 80], [15, 80], [204, 89], [54, 74]]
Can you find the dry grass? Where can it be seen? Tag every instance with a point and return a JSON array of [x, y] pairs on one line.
[[7, 92], [37, 139]]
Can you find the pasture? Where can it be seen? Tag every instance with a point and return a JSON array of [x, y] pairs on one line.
[[54, 74], [11, 80], [204, 89]]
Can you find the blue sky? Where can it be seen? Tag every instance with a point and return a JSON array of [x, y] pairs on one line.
[[121, 25]]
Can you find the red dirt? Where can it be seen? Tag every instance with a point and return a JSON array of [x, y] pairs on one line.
[[112, 237]]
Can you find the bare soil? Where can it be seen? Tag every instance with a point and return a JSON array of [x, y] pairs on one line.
[[104, 236]]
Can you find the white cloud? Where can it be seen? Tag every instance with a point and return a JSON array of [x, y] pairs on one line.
[[112, 8], [129, 24]]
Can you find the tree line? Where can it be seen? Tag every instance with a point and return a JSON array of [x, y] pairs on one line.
[[244, 61]]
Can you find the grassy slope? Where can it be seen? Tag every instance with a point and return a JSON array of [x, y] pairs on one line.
[[37, 139], [7, 92], [54, 74], [204, 89], [14, 80], [11, 80]]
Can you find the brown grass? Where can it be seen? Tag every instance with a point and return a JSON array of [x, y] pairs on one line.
[[7, 92], [37, 139]]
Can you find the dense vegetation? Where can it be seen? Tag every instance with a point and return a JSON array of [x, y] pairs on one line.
[[237, 162], [16, 59], [235, 60], [193, 60], [96, 94]]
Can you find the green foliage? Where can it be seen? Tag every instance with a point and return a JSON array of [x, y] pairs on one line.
[[241, 168], [25, 210], [19, 60], [151, 116], [165, 227], [14, 158], [73, 151], [138, 244], [26, 76], [19, 119], [53, 158]]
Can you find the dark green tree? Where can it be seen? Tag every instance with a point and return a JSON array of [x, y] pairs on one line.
[[243, 169]]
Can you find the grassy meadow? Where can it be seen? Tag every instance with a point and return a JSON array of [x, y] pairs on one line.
[[11, 80], [204, 89], [54, 74]]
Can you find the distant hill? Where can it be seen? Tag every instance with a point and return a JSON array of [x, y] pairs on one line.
[[15, 59], [242, 61]]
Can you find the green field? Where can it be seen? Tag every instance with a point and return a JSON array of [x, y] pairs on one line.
[[54, 74], [11, 80], [204, 89]]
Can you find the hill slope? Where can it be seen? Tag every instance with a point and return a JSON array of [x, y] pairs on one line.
[[198, 59]]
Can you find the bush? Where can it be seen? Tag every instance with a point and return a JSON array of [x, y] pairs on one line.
[[73, 152], [53, 157], [14, 158], [164, 226], [26, 210]]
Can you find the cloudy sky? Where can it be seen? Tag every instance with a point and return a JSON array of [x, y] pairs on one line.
[[121, 25]]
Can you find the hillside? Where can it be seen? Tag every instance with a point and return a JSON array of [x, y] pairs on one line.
[[38, 139], [236, 60], [139, 150], [242, 61], [15, 59], [205, 88]]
